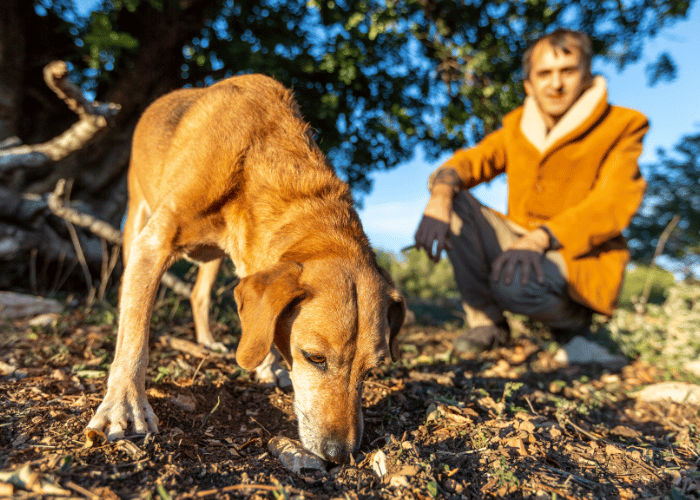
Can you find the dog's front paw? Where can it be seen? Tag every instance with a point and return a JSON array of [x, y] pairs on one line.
[[121, 406]]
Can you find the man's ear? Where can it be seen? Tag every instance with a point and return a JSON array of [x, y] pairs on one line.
[[396, 313], [261, 298], [528, 87]]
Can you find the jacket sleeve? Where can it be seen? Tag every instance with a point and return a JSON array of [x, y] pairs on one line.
[[479, 164], [614, 199]]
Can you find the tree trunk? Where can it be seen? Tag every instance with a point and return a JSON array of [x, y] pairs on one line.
[[41, 252], [12, 54]]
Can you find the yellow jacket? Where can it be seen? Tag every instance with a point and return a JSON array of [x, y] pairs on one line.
[[581, 180]]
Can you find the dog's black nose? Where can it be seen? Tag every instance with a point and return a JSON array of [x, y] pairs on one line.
[[336, 451]]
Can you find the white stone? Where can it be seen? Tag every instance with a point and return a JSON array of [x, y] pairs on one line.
[[676, 392], [582, 351]]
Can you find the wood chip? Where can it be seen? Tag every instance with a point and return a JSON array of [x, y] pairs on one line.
[[379, 463]]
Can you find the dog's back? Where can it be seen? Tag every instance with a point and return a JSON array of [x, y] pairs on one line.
[[234, 153]]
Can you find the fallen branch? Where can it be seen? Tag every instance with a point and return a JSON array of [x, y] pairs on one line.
[[93, 118], [187, 347], [93, 224]]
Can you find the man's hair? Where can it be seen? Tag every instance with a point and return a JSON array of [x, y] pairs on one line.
[[565, 40]]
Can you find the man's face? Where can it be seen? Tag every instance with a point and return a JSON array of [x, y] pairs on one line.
[[556, 80]]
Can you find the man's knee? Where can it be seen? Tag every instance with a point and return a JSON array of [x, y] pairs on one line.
[[528, 299], [465, 204]]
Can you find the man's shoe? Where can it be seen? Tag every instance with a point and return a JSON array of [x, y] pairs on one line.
[[482, 338], [581, 351]]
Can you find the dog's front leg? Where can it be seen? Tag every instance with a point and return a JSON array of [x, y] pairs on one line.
[[125, 400]]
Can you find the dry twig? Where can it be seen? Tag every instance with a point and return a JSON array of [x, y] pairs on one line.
[[105, 231], [641, 307]]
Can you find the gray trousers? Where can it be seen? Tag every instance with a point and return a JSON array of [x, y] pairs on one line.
[[478, 235]]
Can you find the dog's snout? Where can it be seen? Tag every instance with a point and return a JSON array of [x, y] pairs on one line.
[[334, 450]]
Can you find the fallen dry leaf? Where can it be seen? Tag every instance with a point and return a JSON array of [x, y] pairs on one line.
[[29, 480], [94, 437]]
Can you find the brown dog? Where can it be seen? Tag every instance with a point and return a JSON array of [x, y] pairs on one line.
[[233, 170]]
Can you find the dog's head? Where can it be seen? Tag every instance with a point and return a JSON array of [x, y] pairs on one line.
[[333, 322]]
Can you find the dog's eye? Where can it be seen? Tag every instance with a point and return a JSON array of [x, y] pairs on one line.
[[316, 359]]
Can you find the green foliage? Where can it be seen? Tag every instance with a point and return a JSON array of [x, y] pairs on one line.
[[663, 69], [375, 78], [504, 474], [419, 277], [666, 336], [673, 189], [635, 281], [103, 39]]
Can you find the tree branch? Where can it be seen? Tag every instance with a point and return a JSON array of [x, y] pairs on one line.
[[93, 118]]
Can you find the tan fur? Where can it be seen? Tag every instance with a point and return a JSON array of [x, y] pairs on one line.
[[233, 170]]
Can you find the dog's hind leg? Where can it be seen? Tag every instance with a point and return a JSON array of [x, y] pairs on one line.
[[271, 373], [201, 303]]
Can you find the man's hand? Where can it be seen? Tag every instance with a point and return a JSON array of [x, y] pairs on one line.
[[435, 224], [527, 252]]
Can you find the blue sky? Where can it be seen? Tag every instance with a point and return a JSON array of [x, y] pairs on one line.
[[394, 207]]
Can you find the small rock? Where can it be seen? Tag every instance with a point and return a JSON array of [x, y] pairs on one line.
[[409, 470], [7, 370], [399, 481], [612, 450], [293, 456], [453, 486], [184, 402], [527, 426], [693, 367], [284, 381], [20, 440], [44, 319], [626, 432]]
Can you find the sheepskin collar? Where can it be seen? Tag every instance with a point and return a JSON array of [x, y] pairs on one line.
[[532, 125]]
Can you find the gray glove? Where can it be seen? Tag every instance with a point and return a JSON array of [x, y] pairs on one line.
[[429, 232]]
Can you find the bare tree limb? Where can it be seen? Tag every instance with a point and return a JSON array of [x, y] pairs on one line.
[[93, 118]]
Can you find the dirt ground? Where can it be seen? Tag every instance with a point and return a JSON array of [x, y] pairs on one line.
[[512, 424]]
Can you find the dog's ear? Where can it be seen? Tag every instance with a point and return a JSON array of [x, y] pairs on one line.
[[261, 298], [396, 313]]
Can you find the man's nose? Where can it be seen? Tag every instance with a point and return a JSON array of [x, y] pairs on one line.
[[556, 80]]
